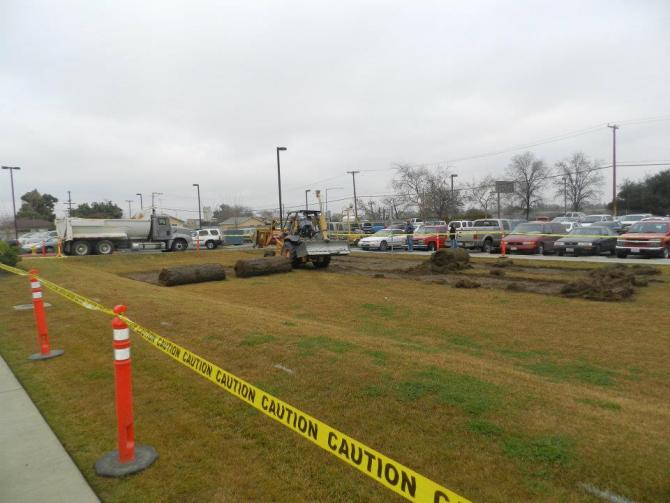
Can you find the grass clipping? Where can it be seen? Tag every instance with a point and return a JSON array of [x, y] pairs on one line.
[[445, 261], [610, 283]]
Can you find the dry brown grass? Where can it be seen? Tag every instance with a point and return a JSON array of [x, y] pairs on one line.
[[498, 396]]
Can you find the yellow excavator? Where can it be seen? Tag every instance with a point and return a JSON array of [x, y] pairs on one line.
[[305, 238]]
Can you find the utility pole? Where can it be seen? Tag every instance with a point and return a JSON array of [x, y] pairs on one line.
[[306, 204], [153, 205], [130, 211], [453, 203], [614, 127], [565, 195], [199, 211], [353, 178], [69, 204], [141, 204], [327, 189], [11, 177], [281, 213]]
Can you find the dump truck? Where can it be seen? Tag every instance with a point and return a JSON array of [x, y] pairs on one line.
[[305, 238], [85, 236]]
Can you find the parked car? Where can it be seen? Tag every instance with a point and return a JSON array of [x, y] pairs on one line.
[[645, 238], [593, 240], [615, 225], [208, 238], [461, 224], [431, 237], [594, 219], [484, 234], [569, 223], [575, 214], [534, 237], [371, 228], [416, 222], [435, 222], [628, 220], [384, 239], [49, 239]]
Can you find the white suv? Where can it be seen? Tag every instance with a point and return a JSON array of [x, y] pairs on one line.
[[209, 238]]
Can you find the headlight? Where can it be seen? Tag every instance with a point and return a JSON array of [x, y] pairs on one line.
[[656, 242], [619, 242], [584, 243]]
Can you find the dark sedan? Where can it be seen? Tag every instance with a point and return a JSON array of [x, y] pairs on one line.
[[593, 240]]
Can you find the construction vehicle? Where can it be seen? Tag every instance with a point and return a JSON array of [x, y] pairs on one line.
[[83, 236], [305, 238]]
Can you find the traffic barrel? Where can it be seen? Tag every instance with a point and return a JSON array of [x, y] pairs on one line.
[[130, 457], [41, 321], [503, 247]]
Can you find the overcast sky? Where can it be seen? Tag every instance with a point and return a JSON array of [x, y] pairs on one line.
[[111, 98]]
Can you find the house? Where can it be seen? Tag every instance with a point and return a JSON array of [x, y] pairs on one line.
[[241, 222]]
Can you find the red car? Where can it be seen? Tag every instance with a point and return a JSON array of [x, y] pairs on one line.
[[429, 237], [534, 237], [648, 237]]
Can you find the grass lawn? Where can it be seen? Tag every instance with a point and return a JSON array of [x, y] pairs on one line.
[[499, 396]]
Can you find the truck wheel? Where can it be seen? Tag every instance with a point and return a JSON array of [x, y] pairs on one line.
[[488, 246], [431, 247], [289, 252], [665, 253], [540, 249], [81, 248], [104, 247], [322, 262], [620, 254], [383, 246], [596, 250], [179, 245], [210, 245]]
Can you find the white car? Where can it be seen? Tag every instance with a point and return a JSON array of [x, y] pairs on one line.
[[590, 220], [628, 220], [384, 239], [209, 238]]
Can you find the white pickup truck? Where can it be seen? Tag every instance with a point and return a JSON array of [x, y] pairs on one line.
[[485, 234]]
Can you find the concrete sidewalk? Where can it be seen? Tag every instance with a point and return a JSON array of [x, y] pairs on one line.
[[34, 466]]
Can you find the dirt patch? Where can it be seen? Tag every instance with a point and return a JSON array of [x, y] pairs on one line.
[[466, 283], [445, 261], [610, 283]]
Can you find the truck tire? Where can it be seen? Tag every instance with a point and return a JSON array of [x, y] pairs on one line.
[[81, 248], [288, 251], [322, 262], [621, 254], [487, 247], [210, 245], [179, 245], [665, 253], [431, 246], [104, 247]]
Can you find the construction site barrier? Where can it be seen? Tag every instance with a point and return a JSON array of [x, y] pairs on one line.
[[40, 321], [393, 475]]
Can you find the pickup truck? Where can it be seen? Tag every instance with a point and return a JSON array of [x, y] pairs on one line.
[[650, 237], [484, 234]]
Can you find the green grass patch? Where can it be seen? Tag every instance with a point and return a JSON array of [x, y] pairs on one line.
[[385, 310], [603, 404], [466, 392], [464, 342], [522, 355], [373, 391], [581, 372], [552, 450], [99, 374], [483, 427], [378, 357], [257, 339], [309, 344]]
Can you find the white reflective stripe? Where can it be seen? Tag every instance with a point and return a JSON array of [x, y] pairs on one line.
[[122, 354], [37, 295], [35, 284], [120, 334]]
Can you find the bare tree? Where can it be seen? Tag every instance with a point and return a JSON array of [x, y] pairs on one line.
[[530, 177], [427, 190], [482, 193], [580, 180]]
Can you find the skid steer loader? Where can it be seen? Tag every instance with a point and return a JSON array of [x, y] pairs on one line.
[[305, 239]]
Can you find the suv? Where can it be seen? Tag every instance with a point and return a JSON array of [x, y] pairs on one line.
[[431, 237], [651, 237], [484, 234], [534, 237], [210, 238]]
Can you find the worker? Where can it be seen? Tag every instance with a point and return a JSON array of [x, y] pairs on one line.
[[452, 235], [409, 232]]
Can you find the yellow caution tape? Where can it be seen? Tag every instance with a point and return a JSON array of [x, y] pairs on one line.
[[388, 472]]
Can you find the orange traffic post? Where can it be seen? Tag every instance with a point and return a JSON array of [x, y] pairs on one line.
[[129, 458], [41, 321], [503, 247], [44, 249], [59, 248]]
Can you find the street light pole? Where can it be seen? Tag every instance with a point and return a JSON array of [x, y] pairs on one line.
[[453, 203], [281, 214], [199, 212], [614, 127], [11, 177], [306, 203], [353, 178], [141, 204], [565, 195], [130, 211]]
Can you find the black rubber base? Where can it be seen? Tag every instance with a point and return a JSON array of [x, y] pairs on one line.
[[110, 466], [52, 354]]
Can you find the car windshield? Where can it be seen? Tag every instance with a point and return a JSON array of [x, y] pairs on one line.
[[632, 218], [592, 219], [588, 231], [485, 223], [649, 227], [528, 228]]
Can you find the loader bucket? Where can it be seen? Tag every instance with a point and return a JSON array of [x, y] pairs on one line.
[[316, 248]]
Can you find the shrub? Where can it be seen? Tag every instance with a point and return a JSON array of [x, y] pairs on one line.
[[9, 255]]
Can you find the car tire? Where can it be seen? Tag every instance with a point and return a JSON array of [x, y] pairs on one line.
[[621, 254], [431, 247], [104, 247], [487, 246], [81, 248], [210, 245], [383, 246], [560, 253], [596, 250], [322, 262], [179, 245], [666, 252], [540, 249]]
